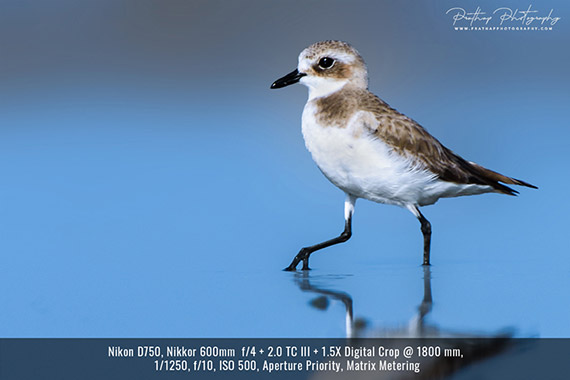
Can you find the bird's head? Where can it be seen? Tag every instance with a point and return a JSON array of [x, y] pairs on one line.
[[326, 67]]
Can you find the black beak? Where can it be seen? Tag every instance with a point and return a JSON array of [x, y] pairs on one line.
[[291, 78]]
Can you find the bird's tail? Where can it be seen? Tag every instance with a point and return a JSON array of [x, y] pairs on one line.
[[498, 177]]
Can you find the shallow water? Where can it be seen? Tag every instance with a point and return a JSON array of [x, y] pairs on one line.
[[170, 295]]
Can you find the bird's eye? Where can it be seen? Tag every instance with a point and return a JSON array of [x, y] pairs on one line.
[[326, 62]]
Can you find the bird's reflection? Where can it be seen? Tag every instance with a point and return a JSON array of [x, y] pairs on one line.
[[359, 327], [322, 302], [473, 346]]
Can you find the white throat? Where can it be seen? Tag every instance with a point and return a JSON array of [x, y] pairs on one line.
[[319, 87]]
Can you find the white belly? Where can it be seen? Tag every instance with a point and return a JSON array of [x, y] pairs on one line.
[[364, 166]]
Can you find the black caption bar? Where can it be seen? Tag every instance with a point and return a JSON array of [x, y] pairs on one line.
[[453, 358]]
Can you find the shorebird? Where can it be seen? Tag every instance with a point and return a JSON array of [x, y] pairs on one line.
[[369, 150]]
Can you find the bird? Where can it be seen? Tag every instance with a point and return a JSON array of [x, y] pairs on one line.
[[370, 150]]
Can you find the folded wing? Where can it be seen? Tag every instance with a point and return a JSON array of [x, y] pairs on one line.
[[409, 138]]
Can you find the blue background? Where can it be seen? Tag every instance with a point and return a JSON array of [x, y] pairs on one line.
[[153, 186]]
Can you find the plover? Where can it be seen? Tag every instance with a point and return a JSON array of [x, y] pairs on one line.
[[369, 150]]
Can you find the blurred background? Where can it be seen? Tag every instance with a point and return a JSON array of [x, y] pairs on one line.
[[151, 185]]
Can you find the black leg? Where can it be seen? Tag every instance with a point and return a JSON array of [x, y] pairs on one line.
[[305, 252], [426, 231]]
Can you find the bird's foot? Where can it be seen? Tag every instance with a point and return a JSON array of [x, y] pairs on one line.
[[426, 259], [303, 255], [306, 264], [291, 268]]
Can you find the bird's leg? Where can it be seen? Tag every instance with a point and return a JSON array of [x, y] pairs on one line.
[[305, 252], [426, 231]]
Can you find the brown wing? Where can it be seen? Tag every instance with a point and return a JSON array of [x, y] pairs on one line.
[[409, 138]]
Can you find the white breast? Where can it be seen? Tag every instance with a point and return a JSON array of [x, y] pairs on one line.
[[366, 167]]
